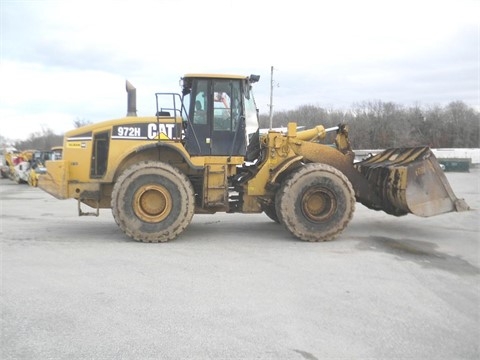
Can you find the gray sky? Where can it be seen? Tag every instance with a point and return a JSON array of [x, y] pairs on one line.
[[67, 60]]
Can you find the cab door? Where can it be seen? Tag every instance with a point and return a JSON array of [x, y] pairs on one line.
[[228, 126], [217, 121]]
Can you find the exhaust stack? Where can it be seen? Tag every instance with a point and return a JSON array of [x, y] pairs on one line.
[[132, 99]]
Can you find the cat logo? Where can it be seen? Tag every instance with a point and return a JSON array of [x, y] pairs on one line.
[[162, 132]]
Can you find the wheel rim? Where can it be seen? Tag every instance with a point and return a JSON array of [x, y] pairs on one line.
[[318, 204], [153, 203]]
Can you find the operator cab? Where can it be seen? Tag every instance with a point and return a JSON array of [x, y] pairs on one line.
[[220, 112]]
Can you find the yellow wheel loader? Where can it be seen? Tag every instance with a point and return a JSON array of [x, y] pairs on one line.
[[201, 152], [19, 164], [37, 165]]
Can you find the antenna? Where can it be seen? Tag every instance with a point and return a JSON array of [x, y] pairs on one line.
[[271, 97], [272, 83]]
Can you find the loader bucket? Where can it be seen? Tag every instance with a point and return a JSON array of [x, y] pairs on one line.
[[410, 180]]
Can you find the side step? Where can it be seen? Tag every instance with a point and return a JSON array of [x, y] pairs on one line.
[[88, 213], [215, 191]]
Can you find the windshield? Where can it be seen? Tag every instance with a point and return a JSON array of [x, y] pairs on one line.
[[250, 114]]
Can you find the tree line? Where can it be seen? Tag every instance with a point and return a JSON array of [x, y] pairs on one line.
[[44, 139], [41, 140], [372, 125], [380, 125]]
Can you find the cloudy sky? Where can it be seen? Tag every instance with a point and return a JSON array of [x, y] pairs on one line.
[[62, 61]]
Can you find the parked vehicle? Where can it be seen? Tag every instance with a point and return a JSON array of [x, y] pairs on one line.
[[156, 172]]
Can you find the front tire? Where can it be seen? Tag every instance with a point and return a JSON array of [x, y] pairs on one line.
[[316, 202], [153, 202], [271, 212]]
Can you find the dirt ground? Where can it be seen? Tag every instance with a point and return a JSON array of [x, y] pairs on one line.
[[238, 286]]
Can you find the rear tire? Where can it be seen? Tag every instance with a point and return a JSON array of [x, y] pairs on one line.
[[153, 202], [316, 202]]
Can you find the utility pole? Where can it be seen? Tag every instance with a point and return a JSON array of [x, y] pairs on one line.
[[271, 98]]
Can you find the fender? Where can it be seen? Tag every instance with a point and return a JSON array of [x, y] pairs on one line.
[[282, 168], [147, 152]]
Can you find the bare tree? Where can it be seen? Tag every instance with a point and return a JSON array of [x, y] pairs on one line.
[[377, 124], [80, 122], [43, 140]]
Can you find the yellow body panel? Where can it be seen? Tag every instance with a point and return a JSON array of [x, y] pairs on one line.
[[68, 178], [143, 131], [56, 180]]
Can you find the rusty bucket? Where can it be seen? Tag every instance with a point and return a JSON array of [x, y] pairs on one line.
[[410, 180]]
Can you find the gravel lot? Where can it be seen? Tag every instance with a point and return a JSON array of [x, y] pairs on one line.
[[238, 286]]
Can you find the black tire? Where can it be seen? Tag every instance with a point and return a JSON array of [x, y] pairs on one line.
[[153, 202], [271, 212], [316, 202]]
